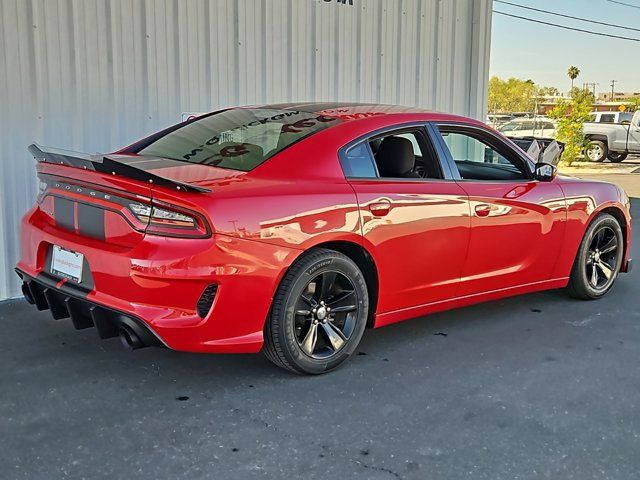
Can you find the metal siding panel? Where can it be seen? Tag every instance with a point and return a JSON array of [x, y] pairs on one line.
[[93, 75]]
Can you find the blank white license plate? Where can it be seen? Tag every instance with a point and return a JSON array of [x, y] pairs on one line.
[[66, 263]]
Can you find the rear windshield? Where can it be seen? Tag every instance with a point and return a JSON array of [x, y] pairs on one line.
[[239, 139], [626, 117]]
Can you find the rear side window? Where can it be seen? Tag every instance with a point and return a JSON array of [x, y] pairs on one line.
[[358, 162], [607, 118], [238, 139], [399, 154]]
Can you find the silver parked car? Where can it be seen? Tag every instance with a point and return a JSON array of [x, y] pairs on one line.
[[539, 127]]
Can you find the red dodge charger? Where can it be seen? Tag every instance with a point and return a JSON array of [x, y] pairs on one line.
[[291, 228]]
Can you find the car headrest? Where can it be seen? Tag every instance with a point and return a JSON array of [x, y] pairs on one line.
[[395, 157]]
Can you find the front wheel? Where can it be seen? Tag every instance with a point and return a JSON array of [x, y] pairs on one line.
[[617, 157], [599, 258], [318, 315], [596, 151]]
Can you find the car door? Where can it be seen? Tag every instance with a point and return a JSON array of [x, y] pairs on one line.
[[417, 228], [517, 222], [633, 144]]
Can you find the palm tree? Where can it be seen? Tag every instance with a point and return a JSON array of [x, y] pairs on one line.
[[573, 73]]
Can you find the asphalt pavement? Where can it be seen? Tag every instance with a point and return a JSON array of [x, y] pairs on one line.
[[538, 386]]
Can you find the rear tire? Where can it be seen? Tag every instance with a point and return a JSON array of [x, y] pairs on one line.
[[599, 259], [597, 151], [617, 157], [318, 315]]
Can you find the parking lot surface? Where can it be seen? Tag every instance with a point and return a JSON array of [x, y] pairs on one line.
[[538, 386]]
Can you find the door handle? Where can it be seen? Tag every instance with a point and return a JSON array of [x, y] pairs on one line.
[[483, 210], [381, 208]]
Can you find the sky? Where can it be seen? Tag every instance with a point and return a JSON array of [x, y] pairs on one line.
[[543, 53]]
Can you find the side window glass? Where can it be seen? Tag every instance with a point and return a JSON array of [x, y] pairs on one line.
[[464, 148], [405, 154], [477, 160], [607, 118], [357, 162]]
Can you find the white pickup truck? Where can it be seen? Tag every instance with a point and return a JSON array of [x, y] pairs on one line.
[[613, 140]]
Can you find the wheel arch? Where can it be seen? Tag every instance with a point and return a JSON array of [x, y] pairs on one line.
[[361, 257], [618, 214], [365, 262], [601, 138]]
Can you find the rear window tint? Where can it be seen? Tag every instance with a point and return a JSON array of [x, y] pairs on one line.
[[357, 162], [238, 139]]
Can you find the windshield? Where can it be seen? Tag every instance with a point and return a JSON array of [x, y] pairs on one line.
[[238, 139], [510, 127]]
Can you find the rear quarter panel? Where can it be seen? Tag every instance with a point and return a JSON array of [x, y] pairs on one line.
[[585, 200]]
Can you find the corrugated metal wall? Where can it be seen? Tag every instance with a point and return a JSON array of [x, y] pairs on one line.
[[93, 75]]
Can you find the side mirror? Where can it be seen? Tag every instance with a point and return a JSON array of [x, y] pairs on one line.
[[625, 122], [545, 172]]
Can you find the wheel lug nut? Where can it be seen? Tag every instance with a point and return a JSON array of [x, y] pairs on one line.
[[315, 322]]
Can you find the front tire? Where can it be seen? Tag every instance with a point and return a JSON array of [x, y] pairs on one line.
[[617, 157], [319, 314], [599, 259], [597, 151]]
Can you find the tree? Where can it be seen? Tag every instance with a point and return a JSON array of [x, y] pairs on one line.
[[573, 73], [512, 95], [633, 104], [548, 92], [571, 116]]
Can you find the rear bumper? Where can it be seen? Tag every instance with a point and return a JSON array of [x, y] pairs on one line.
[[157, 285], [64, 301]]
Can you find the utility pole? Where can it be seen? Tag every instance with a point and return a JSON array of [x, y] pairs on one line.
[[613, 93], [591, 86]]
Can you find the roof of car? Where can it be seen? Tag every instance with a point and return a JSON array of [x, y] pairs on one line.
[[348, 112], [344, 108]]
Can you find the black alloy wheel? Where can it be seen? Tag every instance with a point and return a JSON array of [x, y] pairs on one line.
[[318, 315], [599, 259], [326, 315], [602, 256]]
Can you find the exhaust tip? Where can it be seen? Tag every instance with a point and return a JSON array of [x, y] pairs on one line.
[[129, 338]]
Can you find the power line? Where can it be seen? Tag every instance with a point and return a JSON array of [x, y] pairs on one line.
[[567, 28], [567, 16], [625, 4]]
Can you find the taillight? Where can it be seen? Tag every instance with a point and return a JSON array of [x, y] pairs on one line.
[[143, 214], [169, 220]]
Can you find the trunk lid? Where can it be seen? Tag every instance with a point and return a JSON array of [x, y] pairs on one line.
[[120, 198]]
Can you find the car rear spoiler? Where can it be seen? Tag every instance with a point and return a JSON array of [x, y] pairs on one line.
[[107, 164]]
